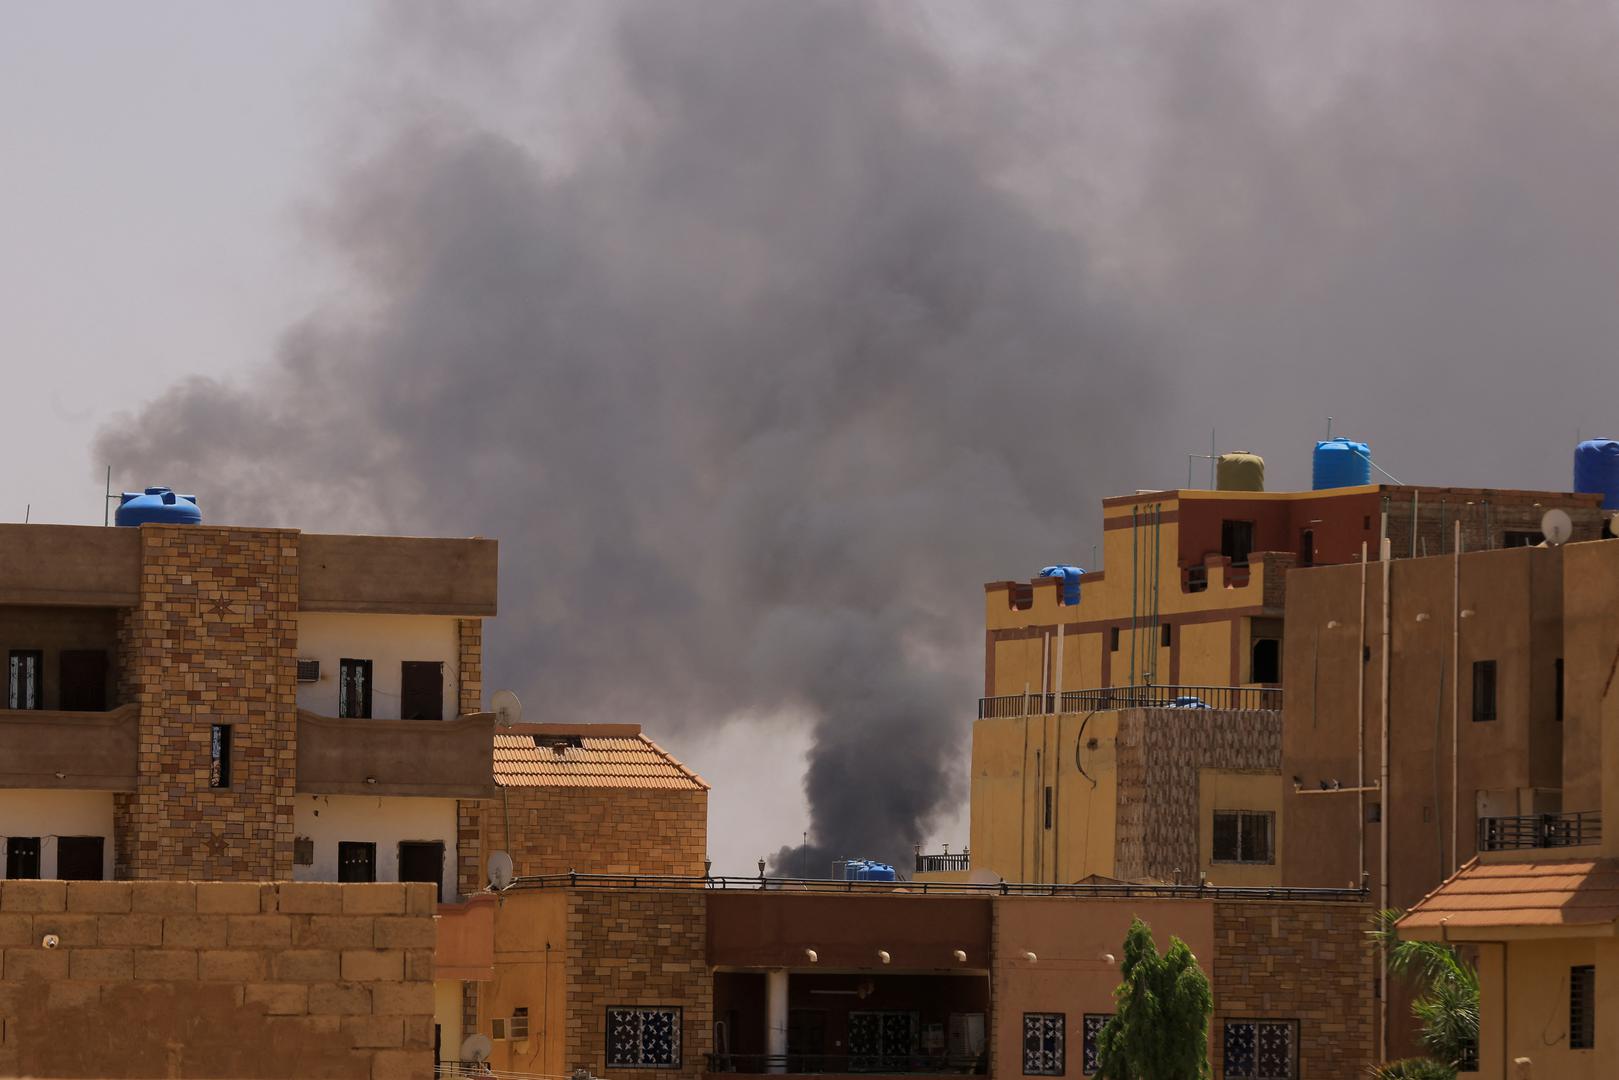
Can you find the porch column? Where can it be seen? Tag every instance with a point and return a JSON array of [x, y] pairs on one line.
[[776, 1020]]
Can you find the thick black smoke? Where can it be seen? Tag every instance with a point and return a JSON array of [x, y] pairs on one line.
[[755, 389]]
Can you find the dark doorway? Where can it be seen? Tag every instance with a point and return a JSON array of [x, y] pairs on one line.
[[1236, 541], [422, 861], [421, 690], [356, 861], [79, 858], [806, 1040], [83, 683], [1307, 547], [1267, 661], [22, 857]]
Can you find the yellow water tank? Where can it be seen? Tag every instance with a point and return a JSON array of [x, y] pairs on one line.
[[1240, 471]]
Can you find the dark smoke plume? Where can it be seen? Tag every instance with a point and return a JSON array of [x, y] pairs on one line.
[[755, 389]]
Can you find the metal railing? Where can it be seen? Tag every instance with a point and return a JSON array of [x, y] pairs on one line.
[[1131, 697], [1540, 831], [942, 888], [927, 864], [865, 1064]]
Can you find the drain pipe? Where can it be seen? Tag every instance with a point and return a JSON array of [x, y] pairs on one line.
[[1383, 854], [1360, 716], [1455, 696]]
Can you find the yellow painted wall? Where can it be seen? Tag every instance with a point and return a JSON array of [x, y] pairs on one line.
[[1230, 789], [1531, 978], [1205, 654], [1013, 762], [447, 1016], [531, 973]]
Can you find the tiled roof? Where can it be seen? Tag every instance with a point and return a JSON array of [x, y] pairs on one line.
[[1571, 893], [587, 755]]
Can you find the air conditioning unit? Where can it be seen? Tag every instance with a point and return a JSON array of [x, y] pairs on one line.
[[309, 671], [303, 851]]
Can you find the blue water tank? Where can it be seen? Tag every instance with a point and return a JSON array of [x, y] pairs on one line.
[[1340, 463], [157, 506], [1070, 580], [1596, 469], [867, 870]]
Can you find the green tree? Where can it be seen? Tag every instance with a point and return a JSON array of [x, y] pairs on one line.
[[1447, 1001], [1161, 1028]]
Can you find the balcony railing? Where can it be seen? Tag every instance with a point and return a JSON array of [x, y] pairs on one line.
[[865, 1064], [95, 751], [932, 864], [1131, 697], [1540, 831]]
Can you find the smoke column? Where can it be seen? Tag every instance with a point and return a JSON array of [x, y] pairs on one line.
[[755, 388], [761, 334]]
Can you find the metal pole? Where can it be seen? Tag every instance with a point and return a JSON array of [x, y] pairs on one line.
[[1360, 714], [1388, 803], [107, 500], [1135, 586], [1455, 695], [1213, 456]]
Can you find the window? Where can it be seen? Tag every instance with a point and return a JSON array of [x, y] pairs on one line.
[[356, 861], [423, 861], [1113, 639], [518, 1028], [354, 688], [303, 851], [1236, 541], [1582, 1007], [1243, 836], [82, 682], [22, 857], [1267, 667], [1165, 636], [1260, 1049], [1483, 690], [421, 690], [1094, 1023], [497, 1029], [1514, 539], [219, 756], [879, 1040], [1043, 1044], [1557, 690], [79, 858], [646, 1037], [27, 686]]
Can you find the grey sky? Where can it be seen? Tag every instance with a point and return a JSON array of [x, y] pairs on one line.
[[1231, 216]]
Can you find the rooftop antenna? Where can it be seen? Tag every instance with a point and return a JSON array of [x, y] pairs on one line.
[[1556, 526], [507, 708], [28, 512], [106, 503], [1329, 427]]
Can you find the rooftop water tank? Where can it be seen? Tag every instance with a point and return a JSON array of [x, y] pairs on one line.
[[1596, 469], [157, 506], [1071, 576], [867, 870], [1341, 463], [1240, 471]]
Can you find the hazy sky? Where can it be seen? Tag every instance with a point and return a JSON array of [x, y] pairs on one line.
[[890, 294]]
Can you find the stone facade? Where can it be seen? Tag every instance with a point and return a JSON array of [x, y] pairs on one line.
[[470, 633], [557, 830], [637, 947], [213, 641], [240, 979], [1302, 961], [1159, 754]]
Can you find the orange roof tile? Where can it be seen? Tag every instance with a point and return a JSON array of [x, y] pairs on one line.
[[612, 756], [1571, 893]]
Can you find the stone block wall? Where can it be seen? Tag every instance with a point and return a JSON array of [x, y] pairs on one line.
[[637, 947], [239, 979], [213, 641], [1159, 754], [1303, 961], [470, 635], [555, 830]]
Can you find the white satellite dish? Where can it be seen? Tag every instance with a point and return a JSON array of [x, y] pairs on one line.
[[477, 1047], [500, 870], [508, 709], [1556, 526]]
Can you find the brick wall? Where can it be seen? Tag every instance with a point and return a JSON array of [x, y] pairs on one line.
[[555, 830], [240, 979], [213, 641], [1159, 754], [637, 947], [1298, 961], [470, 634]]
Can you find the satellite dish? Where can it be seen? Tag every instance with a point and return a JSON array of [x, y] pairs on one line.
[[1556, 526], [476, 1047], [508, 709], [984, 876], [500, 870]]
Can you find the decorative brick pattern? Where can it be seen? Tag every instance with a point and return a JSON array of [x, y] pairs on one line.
[[1159, 754], [180, 979], [557, 830], [470, 632], [213, 641], [1298, 961], [637, 947], [469, 851]]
